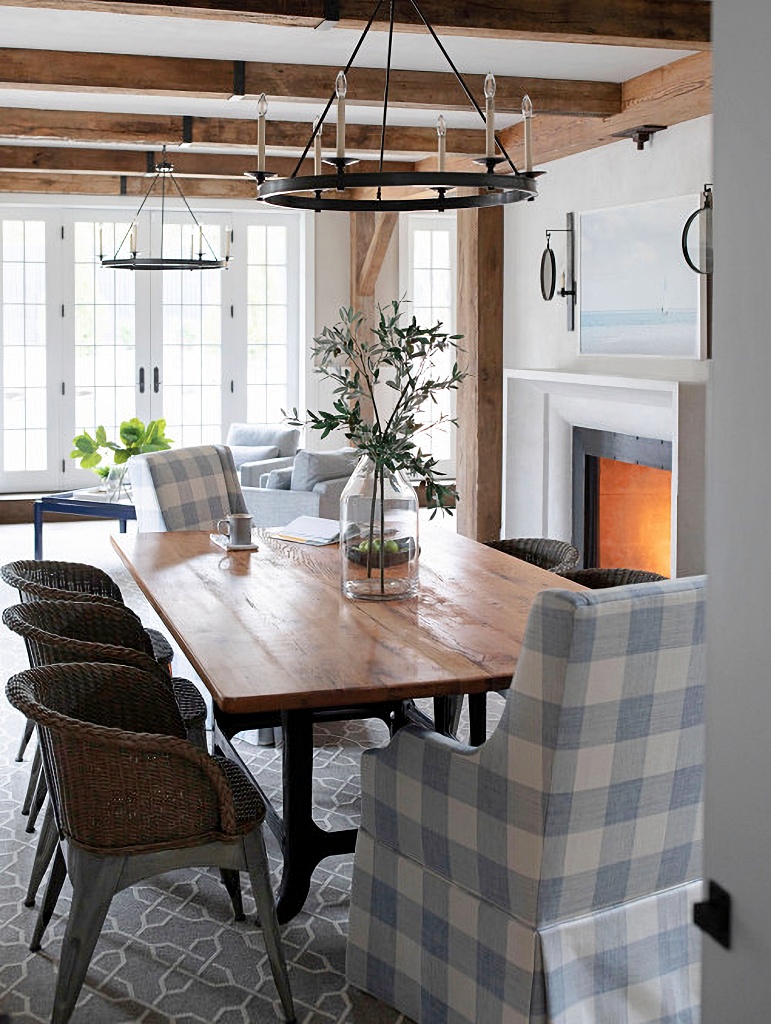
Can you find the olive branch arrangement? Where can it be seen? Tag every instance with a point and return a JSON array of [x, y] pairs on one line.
[[399, 354]]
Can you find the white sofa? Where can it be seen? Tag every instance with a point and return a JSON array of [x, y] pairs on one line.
[[311, 486], [260, 447]]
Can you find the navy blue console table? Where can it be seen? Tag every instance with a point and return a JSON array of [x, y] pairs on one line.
[[80, 503]]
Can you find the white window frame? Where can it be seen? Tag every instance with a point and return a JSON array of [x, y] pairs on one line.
[[58, 212], [409, 223]]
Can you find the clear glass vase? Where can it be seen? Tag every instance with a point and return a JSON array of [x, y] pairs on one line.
[[379, 534], [116, 482]]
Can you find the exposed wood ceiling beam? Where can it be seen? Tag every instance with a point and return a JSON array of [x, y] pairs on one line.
[[137, 163], [680, 24], [680, 92], [107, 185], [217, 79], [29, 124], [670, 95]]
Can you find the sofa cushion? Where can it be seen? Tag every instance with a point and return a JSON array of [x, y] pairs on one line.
[[310, 468], [253, 453], [277, 479], [285, 438]]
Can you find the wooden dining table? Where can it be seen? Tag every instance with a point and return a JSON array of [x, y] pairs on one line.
[[274, 640]]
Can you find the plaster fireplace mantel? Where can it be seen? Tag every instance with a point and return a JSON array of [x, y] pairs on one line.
[[542, 407]]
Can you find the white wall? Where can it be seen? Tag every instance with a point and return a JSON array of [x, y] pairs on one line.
[[737, 983], [676, 162]]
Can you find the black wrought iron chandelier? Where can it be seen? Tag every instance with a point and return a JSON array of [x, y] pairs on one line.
[[204, 259], [439, 189]]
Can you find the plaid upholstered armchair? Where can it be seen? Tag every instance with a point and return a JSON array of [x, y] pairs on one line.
[[548, 875], [185, 488]]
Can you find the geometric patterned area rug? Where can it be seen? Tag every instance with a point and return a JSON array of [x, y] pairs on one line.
[[170, 950]]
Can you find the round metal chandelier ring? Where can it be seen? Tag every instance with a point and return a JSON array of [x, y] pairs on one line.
[[163, 263], [495, 189]]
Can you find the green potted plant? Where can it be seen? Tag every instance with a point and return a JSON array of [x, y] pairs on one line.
[[384, 381], [135, 438]]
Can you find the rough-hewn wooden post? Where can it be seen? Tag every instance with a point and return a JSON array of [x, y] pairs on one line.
[[480, 397]]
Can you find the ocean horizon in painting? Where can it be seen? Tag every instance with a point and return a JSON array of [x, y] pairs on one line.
[[637, 295], [653, 332]]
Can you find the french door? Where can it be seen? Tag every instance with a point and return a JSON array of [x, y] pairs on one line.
[[83, 345]]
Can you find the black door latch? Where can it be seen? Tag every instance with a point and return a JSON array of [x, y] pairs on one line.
[[713, 915]]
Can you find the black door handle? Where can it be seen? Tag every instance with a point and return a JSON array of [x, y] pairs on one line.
[[156, 380], [713, 915], [141, 380]]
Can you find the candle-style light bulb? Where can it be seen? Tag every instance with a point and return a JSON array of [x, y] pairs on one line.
[[318, 127], [100, 242], [527, 114], [341, 88], [133, 241], [441, 132], [489, 114], [228, 237], [262, 110]]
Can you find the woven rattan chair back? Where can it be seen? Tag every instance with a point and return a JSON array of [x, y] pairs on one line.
[[116, 728], [48, 580], [598, 579], [553, 555], [68, 581], [56, 631]]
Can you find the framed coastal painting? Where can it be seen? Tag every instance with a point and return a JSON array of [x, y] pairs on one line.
[[636, 294]]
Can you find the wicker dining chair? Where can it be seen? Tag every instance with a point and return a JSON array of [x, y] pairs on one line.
[[116, 727], [598, 579], [48, 580], [71, 631], [553, 555]]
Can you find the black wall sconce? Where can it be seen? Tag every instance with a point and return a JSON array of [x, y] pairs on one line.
[[703, 219], [549, 270]]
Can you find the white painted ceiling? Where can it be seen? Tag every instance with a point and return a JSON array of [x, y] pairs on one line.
[[98, 32], [48, 29]]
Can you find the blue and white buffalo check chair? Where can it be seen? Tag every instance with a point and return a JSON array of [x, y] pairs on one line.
[[548, 875], [185, 488]]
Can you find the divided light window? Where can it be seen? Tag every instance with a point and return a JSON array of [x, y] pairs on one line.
[[24, 398], [430, 287], [104, 315], [268, 320], [82, 345], [192, 341]]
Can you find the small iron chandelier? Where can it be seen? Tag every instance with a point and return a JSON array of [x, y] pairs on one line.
[[164, 174], [335, 190]]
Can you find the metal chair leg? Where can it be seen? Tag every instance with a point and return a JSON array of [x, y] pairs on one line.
[[34, 774], [232, 882], [40, 794], [29, 728], [259, 873], [94, 882], [54, 887], [46, 847]]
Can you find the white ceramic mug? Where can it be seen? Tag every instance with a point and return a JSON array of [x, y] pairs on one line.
[[237, 528]]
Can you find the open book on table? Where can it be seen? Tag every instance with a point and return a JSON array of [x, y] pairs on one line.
[[308, 530]]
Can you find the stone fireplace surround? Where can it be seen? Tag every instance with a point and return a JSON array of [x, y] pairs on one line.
[[541, 407]]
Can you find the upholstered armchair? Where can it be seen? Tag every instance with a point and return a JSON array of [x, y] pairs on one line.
[[185, 488], [311, 486], [258, 448], [548, 875]]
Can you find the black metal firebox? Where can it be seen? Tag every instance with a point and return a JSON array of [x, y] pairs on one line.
[[589, 446]]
